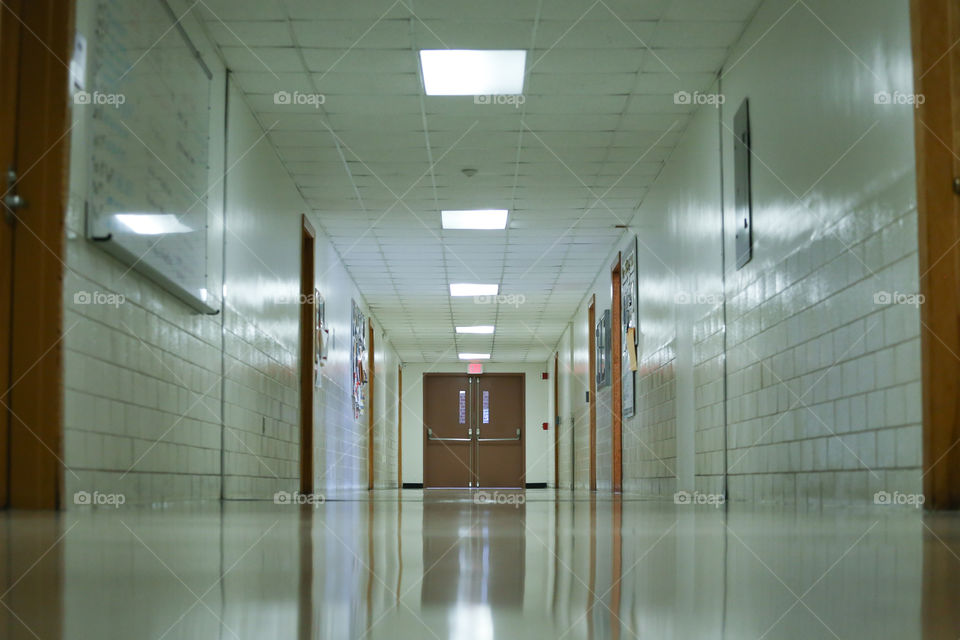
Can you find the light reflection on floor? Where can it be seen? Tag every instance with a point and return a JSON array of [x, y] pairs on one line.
[[442, 566]]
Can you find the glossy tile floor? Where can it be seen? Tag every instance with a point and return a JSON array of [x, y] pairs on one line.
[[439, 565]]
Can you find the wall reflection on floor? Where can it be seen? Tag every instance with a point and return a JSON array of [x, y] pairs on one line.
[[446, 567]]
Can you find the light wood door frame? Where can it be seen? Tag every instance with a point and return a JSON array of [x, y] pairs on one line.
[[556, 421], [616, 378], [592, 386], [400, 426], [9, 48], [308, 337], [35, 85], [935, 28], [371, 410]]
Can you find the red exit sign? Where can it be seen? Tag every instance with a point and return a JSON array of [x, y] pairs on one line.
[[475, 367]]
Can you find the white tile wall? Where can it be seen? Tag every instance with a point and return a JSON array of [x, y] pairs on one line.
[[833, 387], [579, 385], [650, 437], [164, 404], [818, 373], [709, 402], [142, 388], [821, 399], [567, 403], [387, 434]]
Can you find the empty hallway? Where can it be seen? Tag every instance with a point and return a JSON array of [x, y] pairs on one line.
[[516, 318]]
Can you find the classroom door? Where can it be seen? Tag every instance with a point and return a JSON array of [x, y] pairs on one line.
[[35, 38]]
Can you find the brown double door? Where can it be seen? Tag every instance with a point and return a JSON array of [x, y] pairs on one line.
[[473, 430]]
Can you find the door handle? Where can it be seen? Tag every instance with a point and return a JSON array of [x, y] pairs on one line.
[[430, 436], [11, 200], [498, 439]]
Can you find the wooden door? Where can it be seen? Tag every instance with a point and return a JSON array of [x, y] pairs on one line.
[[35, 39], [936, 30], [371, 406], [499, 414], [308, 337], [556, 421], [616, 373], [447, 430], [9, 63], [592, 386]]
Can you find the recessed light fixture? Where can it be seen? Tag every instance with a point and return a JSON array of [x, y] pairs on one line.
[[474, 356], [471, 72], [482, 328], [474, 219], [461, 289]]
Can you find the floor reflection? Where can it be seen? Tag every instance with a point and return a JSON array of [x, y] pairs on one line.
[[445, 566]]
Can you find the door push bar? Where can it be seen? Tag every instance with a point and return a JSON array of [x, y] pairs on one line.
[[498, 439], [430, 436]]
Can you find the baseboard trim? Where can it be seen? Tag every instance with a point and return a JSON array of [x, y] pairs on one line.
[[413, 485], [536, 485]]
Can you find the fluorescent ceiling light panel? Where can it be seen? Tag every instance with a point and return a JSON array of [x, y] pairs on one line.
[[483, 328], [467, 289], [152, 224], [471, 72], [474, 356], [475, 219]]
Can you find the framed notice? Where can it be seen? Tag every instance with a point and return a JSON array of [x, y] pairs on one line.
[[628, 327], [602, 344], [358, 326], [320, 342]]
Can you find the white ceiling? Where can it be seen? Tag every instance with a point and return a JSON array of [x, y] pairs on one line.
[[379, 160]]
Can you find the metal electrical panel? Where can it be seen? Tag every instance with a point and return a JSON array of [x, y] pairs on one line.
[[741, 182]]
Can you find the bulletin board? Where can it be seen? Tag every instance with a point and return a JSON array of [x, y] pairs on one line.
[[628, 327], [321, 343], [147, 104]]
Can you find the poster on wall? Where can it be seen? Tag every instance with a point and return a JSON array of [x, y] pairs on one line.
[[358, 351], [628, 327], [321, 341], [602, 344]]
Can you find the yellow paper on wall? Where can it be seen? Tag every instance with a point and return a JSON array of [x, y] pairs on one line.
[[632, 348]]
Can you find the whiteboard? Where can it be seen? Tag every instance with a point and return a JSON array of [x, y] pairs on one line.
[[148, 101]]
